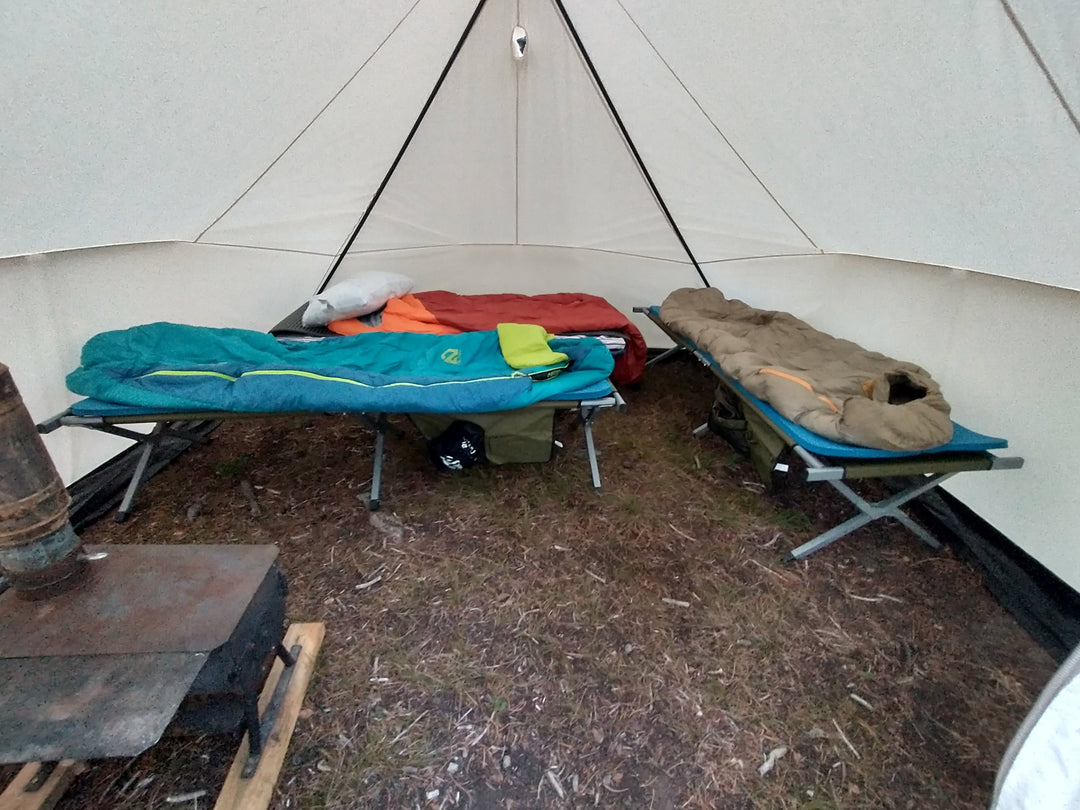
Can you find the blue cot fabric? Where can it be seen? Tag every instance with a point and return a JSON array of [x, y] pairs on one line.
[[165, 366], [964, 440]]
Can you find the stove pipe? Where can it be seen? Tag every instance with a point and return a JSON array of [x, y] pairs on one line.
[[39, 550]]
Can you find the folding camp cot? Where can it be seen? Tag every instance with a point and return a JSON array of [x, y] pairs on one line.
[[169, 375], [835, 463], [115, 419]]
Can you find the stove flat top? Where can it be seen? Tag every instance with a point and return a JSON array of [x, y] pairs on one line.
[[100, 669]]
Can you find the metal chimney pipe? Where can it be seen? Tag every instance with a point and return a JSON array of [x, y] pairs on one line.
[[39, 550]]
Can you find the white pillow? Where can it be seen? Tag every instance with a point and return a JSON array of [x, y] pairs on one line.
[[356, 296]]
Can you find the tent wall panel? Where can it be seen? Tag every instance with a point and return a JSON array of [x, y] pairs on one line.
[[1054, 32], [456, 181], [722, 209], [519, 152], [312, 196], [625, 281], [578, 183]]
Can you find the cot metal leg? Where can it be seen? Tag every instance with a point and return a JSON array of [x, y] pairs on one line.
[[379, 426], [890, 507], [149, 444], [587, 415], [664, 355]]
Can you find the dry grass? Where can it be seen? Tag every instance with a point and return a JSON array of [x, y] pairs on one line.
[[506, 638]]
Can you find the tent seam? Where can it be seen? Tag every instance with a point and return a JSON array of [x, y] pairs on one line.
[[310, 123], [439, 246], [606, 251], [801, 254], [297, 251]]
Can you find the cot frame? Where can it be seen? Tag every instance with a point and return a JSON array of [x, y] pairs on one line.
[[176, 424], [929, 469]]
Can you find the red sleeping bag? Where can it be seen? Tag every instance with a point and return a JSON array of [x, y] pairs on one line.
[[445, 312]]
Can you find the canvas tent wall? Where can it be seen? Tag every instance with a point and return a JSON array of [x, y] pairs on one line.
[[906, 175]]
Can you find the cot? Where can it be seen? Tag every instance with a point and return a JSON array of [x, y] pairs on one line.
[[836, 463], [170, 376]]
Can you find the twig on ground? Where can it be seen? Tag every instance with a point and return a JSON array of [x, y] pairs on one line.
[[881, 597], [766, 568], [606, 783], [776, 536], [847, 742], [409, 727], [682, 534], [674, 602], [479, 736], [365, 585], [862, 702], [180, 798], [556, 785]]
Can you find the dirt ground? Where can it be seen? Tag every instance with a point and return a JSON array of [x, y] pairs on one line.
[[505, 637]]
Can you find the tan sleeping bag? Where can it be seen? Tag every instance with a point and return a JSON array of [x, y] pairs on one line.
[[827, 385]]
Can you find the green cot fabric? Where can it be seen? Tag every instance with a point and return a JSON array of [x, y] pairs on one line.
[[747, 432], [510, 437], [766, 446]]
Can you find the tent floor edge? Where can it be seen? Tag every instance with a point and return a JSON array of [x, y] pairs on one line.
[[1046, 607]]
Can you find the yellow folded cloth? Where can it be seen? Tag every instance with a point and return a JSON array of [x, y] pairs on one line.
[[525, 346]]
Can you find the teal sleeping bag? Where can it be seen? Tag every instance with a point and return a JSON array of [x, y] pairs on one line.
[[163, 366]]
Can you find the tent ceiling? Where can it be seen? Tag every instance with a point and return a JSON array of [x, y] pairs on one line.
[[723, 210], [509, 153], [909, 130]]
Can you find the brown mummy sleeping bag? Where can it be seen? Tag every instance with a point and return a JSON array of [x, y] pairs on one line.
[[827, 385]]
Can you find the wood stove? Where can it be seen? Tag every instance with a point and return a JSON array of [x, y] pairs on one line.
[[151, 636], [101, 648]]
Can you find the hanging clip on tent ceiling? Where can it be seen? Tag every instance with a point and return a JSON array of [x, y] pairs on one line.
[[519, 41]]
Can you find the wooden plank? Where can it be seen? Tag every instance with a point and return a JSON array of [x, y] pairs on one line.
[[255, 793], [15, 797]]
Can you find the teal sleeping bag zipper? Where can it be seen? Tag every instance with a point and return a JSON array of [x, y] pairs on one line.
[[174, 366]]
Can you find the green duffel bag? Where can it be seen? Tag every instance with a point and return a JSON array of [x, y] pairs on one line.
[[510, 437]]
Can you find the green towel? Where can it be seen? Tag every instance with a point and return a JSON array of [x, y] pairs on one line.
[[525, 346]]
